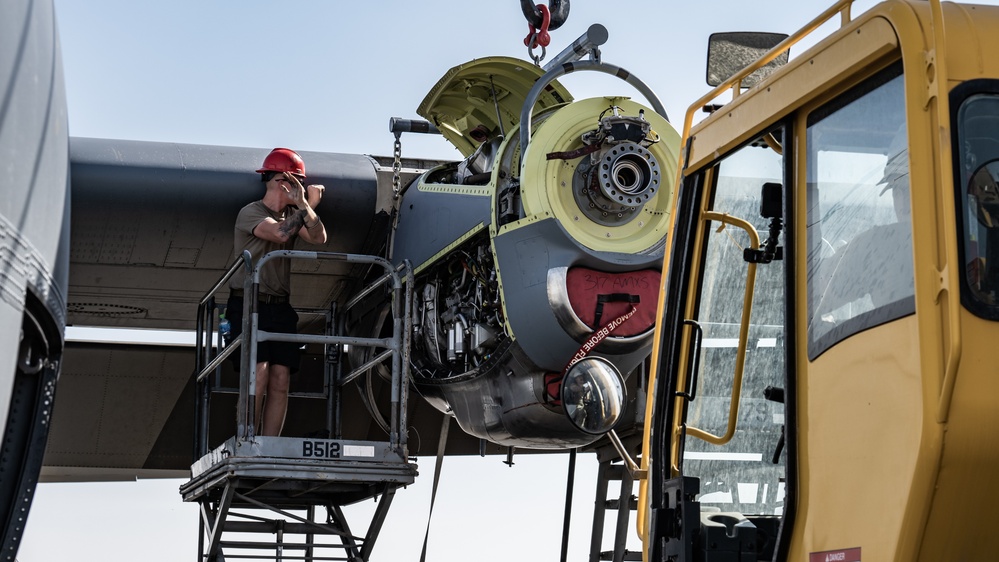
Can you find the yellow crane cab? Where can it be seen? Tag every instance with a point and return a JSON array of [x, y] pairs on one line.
[[825, 385]]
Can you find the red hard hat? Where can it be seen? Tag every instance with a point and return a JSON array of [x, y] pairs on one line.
[[283, 160]]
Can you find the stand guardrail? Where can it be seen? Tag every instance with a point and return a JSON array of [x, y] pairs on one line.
[[395, 347]]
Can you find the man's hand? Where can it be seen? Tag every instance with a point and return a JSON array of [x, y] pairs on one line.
[[314, 194], [297, 191]]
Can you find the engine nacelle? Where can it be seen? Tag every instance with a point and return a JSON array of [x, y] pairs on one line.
[[521, 266]]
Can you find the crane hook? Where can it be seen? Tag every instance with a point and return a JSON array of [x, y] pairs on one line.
[[559, 10]]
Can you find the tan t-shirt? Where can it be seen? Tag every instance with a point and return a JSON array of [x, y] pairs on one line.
[[275, 278]]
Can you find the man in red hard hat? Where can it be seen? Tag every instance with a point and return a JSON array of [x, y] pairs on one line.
[[285, 213]]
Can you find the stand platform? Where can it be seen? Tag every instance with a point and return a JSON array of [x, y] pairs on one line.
[[284, 475]]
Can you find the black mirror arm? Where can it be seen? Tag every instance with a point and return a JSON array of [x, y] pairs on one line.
[[770, 250]]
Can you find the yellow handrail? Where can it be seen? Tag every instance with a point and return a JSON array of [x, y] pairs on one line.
[[754, 243], [740, 353]]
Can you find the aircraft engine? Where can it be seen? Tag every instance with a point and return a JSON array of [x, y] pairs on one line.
[[525, 256]]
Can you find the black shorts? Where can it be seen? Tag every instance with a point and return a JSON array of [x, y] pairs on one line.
[[278, 317]]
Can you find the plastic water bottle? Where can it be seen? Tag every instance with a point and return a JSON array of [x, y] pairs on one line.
[[224, 327]]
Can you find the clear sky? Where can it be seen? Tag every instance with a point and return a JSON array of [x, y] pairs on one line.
[[327, 76]]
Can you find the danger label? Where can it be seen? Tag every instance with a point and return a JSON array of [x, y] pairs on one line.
[[844, 555]]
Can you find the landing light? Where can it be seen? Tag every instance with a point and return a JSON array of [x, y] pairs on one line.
[[593, 395]]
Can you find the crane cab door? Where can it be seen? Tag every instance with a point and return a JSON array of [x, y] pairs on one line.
[[725, 330], [792, 411]]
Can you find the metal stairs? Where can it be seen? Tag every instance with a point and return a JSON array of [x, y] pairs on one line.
[[611, 468]]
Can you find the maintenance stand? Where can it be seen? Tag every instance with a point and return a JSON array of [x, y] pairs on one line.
[[260, 496]]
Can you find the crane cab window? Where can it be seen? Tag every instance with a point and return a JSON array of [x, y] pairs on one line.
[[977, 175], [859, 231]]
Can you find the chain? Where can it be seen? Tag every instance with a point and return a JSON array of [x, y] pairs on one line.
[[397, 167]]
